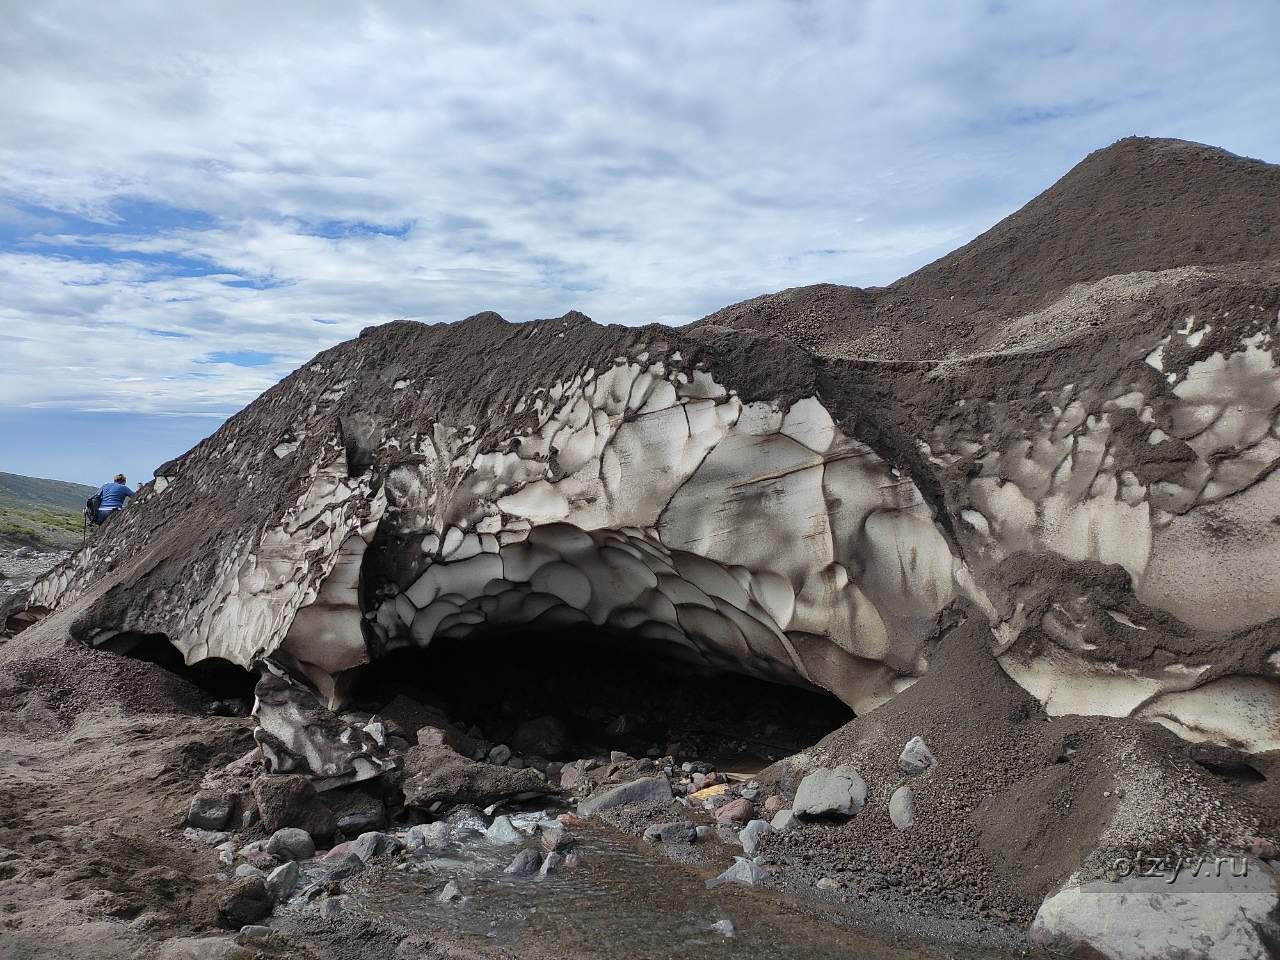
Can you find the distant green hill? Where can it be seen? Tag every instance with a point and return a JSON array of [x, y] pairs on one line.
[[32, 493], [40, 513]]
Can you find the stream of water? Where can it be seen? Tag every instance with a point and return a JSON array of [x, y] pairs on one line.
[[625, 900]]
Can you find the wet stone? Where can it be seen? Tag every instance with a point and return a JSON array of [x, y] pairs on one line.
[[526, 863], [676, 831], [743, 872]]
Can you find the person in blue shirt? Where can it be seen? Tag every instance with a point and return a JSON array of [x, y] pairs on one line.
[[112, 497]]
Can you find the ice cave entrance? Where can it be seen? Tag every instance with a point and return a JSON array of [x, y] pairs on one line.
[[583, 691]]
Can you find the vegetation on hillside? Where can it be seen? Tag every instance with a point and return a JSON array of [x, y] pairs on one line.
[[44, 514]]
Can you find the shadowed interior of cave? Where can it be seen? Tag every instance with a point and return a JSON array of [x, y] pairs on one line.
[[608, 695], [229, 684]]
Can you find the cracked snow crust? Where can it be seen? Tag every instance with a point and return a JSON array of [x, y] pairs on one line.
[[654, 484]]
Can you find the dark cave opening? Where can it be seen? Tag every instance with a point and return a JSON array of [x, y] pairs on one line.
[[229, 685], [606, 692]]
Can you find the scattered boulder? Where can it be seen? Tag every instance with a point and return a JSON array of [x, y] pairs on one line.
[[255, 934], [830, 793], [245, 901], [644, 790], [290, 843], [292, 801], [210, 810], [900, 808], [784, 820], [723, 927], [438, 775], [1148, 918], [916, 758], [543, 736], [675, 831], [526, 863], [774, 804], [282, 881], [373, 844], [742, 872], [502, 832], [750, 835], [500, 754], [737, 811], [249, 870], [449, 893]]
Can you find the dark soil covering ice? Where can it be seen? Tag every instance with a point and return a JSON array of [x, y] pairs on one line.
[[590, 779]]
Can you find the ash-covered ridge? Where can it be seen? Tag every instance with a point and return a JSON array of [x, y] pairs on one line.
[[1068, 427]]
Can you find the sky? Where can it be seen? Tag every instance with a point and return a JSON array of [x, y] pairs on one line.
[[196, 199]]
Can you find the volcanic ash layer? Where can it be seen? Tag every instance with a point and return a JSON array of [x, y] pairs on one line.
[[1063, 436]]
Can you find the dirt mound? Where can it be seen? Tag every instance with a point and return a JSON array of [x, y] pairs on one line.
[[1139, 205]]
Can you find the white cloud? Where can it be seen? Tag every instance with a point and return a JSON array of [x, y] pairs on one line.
[[640, 164]]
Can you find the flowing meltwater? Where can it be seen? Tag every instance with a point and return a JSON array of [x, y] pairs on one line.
[[625, 899]]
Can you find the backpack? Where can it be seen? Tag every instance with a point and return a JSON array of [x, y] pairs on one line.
[[91, 507]]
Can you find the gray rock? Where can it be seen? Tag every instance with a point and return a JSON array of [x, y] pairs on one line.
[[210, 810], [374, 844], [356, 812], [282, 881], [426, 835], [1205, 917], [830, 793], [750, 835], [209, 837], [644, 790], [502, 832], [291, 843], [226, 852], [254, 933], [916, 757], [526, 862], [438, 775], [248, 870], [551, 863], [292, 801], [449, 893], [342, 861], [676, 831], [723, 927], [784, 820], [900, 808], [703, 831], [742, 872], [500, 754], [246, 901], [827, 883]]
